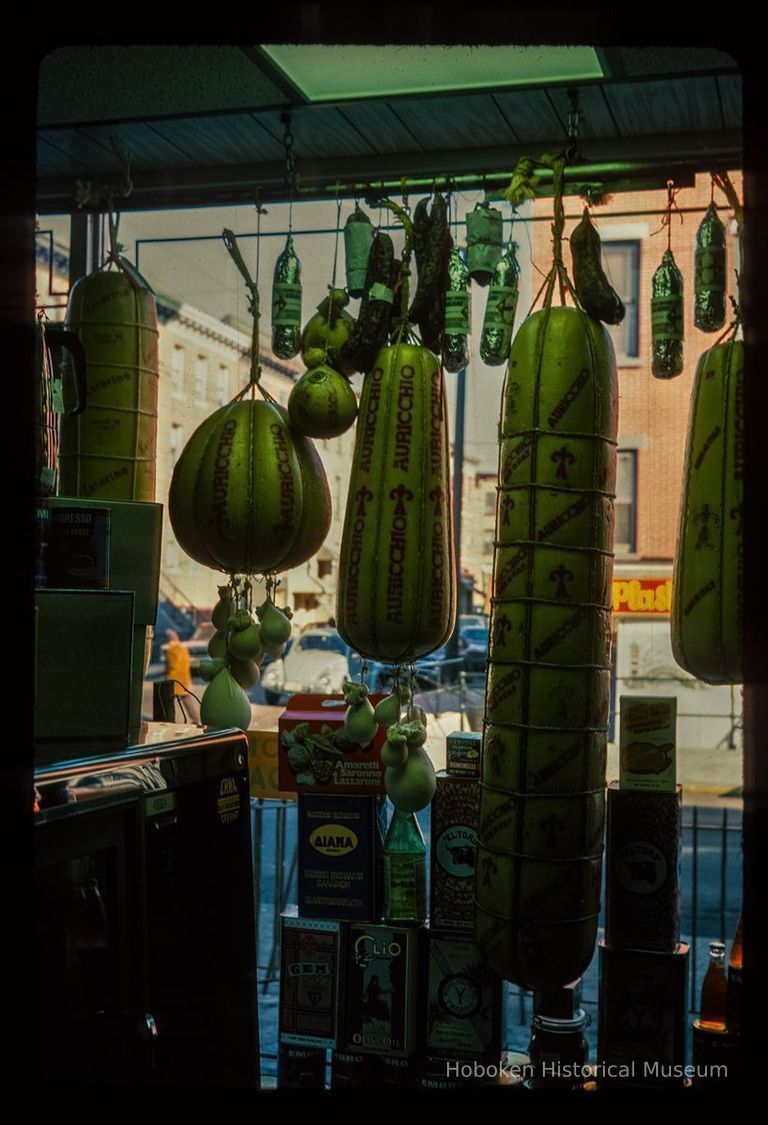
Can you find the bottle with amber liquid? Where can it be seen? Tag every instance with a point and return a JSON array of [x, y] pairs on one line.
[[405, 870], [733, 985], [714, 990]]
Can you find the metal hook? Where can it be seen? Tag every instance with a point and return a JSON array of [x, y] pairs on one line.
[[575, 116]]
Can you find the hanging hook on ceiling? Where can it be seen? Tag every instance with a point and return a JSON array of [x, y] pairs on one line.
[[573, 151], [291, 176]]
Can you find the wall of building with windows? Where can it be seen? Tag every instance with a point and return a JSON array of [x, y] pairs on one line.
[[653, 422]]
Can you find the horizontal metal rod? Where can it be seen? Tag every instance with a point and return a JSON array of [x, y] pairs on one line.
[[296, 232], [616, 159], [578, 176]]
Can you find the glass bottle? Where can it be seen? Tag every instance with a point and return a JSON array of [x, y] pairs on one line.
[[713, 991], [733, 984], [405, 870]]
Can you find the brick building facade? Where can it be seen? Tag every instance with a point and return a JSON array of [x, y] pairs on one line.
[[653, 424]]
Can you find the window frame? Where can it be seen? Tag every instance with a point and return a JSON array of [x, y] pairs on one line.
[[631, 303], [631, 454]]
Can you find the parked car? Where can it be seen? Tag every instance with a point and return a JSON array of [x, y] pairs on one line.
[[472, 619], [318, 661], [473, 647]]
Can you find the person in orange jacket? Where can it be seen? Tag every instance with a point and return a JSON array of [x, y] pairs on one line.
[[178, 668]]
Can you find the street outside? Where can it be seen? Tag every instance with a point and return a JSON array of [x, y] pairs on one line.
[[703, 773]]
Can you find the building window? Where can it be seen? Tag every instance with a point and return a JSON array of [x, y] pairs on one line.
[[490, 503], [178, 359], [324, 568], [222, 384], [488, 546], [177, 441], [621, 262], [201, 380], [625, 538], [305, 601]]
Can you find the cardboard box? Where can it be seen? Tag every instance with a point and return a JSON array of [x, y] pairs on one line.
[[315, 757], [135, 542], [642, 900], [83, 657], [464, 1001], [262, 765], [382, 1005], [462, 753], [643, 1016], [340, 842], [647, 742], [311, 959], [454, 820]]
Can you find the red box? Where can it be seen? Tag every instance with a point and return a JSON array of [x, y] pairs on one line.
[[322, 759]]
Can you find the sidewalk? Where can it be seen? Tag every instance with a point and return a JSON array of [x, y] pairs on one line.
[[713, 774]]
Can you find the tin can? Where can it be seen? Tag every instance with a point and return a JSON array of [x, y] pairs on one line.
[[353, 1071]]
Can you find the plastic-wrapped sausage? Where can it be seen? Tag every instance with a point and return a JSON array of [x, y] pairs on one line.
[[456, 333], [596, 295], [667, 319], [286, 303], [485, 239], [500, 309], [709, 273], [358, 236], [369, 334]]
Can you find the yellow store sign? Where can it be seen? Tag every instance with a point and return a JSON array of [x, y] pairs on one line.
[[642, 595]]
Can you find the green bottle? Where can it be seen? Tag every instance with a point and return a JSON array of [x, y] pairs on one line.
[[405, 870]]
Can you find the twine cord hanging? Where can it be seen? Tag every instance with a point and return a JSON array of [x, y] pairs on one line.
[[115, 247], [230, 241], [91, 193], [557, 273], [724, 182], [332, 287], [290, 166], [666, 219], [336, 239]]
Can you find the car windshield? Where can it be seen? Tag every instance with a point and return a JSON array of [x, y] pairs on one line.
[[325, 642]]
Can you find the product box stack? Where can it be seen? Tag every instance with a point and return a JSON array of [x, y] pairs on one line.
[[464, 1000], [341, 805], [643, 963], [397, 1004]]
